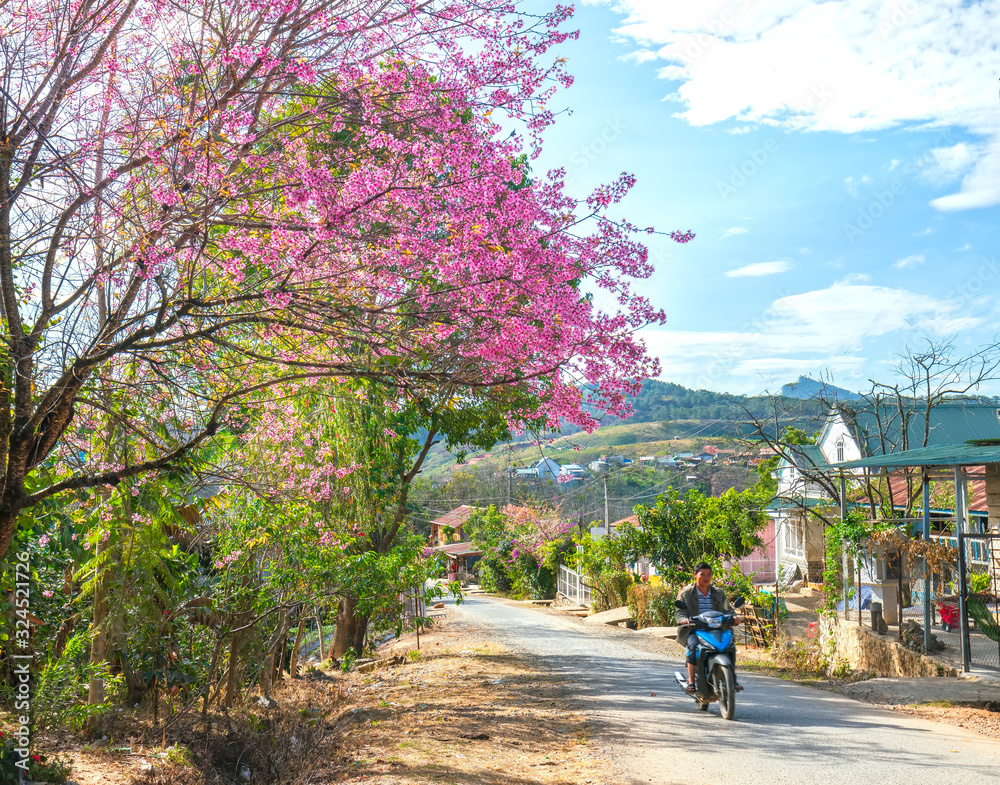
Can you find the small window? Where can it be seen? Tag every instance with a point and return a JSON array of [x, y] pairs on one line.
[[840, 450]]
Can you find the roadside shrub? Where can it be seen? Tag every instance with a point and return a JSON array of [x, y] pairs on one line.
[[833, 576], [40, 767], [610, 590], [805, 658], [651, 606], [542, 585], [735, 583], [493, 577], [61, 693]]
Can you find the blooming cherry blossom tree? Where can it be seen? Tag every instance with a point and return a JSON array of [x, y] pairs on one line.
[[200, 200]]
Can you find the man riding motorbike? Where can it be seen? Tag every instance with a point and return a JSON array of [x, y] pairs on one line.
[[697, 598]]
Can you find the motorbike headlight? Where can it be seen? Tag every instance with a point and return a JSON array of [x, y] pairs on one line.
[[714, 623]]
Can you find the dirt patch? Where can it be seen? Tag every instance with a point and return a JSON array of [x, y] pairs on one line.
[[967, 704], [462, 710], [984, 718]]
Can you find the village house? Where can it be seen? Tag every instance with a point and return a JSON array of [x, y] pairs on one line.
[[542, 469], [448, 538], [572, 471], [861, 432], [447, 528]]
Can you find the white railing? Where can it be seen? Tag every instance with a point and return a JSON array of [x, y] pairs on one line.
[[573, 586]]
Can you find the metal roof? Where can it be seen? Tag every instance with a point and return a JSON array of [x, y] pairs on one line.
[[950, 424], [459, 549], [806, 456], [455, 518], [941, 455]]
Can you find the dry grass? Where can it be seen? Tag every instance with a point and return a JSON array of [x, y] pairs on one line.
[[462, 710], [467, 712]]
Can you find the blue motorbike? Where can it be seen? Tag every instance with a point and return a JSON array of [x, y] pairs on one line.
[[715, 652]]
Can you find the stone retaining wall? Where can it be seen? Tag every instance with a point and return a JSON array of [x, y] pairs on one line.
[[863, 650]]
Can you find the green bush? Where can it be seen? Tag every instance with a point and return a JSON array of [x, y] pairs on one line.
[[610, 590], [61, 693], [542, 585], [493, 577], [662, 604], [735, 583], [40, 767], [979, 582], [651, 606], [805, 658]]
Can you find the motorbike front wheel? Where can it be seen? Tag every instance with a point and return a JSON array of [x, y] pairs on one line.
[[725, 688]]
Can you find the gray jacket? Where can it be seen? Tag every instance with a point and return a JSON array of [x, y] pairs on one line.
[[689, 596]]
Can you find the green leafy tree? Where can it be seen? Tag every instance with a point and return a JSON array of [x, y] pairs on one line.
[[679, 531]]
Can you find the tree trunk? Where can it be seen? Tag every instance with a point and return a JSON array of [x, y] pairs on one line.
[[293, 665], [319, 626], [352, 628], [99, 644], [62, 636], [207, 695], [267, 661], [233, 676], [280, 648]]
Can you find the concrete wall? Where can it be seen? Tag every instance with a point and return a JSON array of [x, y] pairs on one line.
[[864, 651]]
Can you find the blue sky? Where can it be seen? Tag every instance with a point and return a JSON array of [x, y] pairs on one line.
[[839, 162]]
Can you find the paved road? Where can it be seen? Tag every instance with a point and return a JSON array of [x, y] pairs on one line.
[[782, 732]]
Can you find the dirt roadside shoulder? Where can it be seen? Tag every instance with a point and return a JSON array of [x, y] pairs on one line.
[[463, 710]]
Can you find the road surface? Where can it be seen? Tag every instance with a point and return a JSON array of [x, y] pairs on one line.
[[782, 732]]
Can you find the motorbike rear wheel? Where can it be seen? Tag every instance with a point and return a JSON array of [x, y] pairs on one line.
[[725, 688]]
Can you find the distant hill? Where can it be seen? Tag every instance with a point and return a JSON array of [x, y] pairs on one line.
[[718, 413], [667, 418], [806, 388]]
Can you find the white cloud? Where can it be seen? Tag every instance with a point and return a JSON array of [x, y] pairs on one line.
[[897, 64], [816, 330], [643, 56], [854, 278], [946, 164], [909, 261], [735, 230], [924, 233], [760, 268], [981, 186], [966, 247], [851, 184]]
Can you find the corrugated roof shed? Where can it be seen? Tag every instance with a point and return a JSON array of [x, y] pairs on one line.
[[940, 455], [950, 424], [455, 518], [806, 456], [458, 549]]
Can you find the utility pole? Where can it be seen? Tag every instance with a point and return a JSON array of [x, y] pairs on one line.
[[607, 506]]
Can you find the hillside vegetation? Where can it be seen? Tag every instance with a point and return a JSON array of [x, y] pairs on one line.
[[667, 419]]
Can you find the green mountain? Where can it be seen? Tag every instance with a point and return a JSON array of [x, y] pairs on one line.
[[684, 411]]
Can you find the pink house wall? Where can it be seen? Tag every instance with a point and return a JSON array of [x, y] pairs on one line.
[[761, 561]]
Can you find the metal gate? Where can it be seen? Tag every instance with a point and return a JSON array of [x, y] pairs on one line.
[[573, 586], [979, 595]]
